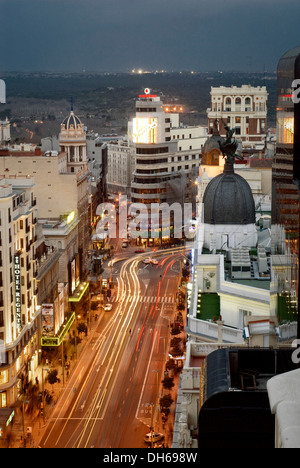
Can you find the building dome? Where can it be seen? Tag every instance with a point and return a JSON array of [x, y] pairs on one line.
[[211, 148], [228, 199], [73, 120]]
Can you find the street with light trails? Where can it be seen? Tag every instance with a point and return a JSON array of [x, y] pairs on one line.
[[111, 399]]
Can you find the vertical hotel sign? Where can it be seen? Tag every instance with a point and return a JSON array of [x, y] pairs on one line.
[[18, 290]]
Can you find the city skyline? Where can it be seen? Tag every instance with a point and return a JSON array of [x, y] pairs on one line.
[[122, 35]]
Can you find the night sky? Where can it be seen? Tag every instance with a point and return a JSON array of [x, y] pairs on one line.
[[121, 35]]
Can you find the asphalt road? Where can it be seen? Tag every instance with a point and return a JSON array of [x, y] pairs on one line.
[[111, 398]]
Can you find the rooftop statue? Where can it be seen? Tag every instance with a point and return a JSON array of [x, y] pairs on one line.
[[229, 146]]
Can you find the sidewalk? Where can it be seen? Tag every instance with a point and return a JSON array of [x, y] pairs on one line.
[[33, 420], [167, 428]]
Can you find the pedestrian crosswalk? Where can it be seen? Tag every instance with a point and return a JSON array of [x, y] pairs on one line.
[[155, 299], [149, 299]]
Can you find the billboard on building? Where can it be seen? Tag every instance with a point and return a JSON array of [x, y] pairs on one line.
[[286, 130], [145, 130], [48, 319]]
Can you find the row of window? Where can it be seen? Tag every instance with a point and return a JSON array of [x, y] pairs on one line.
[[149, 150], [187, 157], [152, 161], [149, 191]]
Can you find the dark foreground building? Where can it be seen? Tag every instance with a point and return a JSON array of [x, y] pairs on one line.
[[236, 411], [286, 164]]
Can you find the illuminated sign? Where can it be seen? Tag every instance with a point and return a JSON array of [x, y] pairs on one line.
[[286, 130], [69, 217], [17, 271], [147, 94], [47, 319], [144, 130], [57, 340]]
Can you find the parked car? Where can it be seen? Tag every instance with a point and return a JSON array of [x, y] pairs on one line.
[[107, 307], [153, 437], [124, 245]]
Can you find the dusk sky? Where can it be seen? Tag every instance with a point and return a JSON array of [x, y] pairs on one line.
[[119, 35]]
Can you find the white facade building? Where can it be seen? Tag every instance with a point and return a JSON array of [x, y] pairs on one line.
[[120, 167], [4, 131], [243, 108], [19, 311]]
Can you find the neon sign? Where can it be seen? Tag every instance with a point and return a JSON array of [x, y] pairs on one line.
[[18, 290], [147, 94]]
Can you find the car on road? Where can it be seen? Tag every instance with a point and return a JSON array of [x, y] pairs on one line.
[[153, 437], [124, 245], [107, 307], [139, 251], [150, 260]]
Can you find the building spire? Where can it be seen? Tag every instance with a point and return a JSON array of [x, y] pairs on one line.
[[72, 107]]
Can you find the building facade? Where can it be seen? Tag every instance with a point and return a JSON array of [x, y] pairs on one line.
[[19, 308], [59, 192], [166, 159], [243, 108], [285, 197], [285, 167], [4, 132], [120, 168]]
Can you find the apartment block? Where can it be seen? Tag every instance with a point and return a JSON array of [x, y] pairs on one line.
[[243, 108], [19, 309]]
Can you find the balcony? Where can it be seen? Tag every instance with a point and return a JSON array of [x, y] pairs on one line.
[[46, 262], [211, 329]]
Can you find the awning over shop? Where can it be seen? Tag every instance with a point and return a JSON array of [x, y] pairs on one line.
[[79, 292], [57, 340]]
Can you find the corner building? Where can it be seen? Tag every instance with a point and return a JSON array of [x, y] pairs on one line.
[[166, 156], [19, 311]]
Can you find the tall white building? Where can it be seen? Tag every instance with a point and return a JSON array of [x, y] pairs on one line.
[[4, 131], [19, 310], [165, 156], [4, 125]]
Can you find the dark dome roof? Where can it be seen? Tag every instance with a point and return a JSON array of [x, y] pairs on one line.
[[228, 199], [212, 143]]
